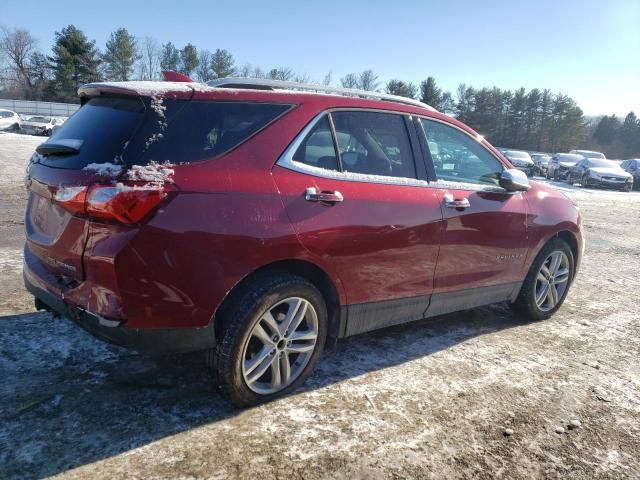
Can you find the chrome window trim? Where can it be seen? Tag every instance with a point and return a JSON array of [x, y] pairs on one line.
[[286, 160]]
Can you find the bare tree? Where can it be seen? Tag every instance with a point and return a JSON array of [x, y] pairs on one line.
[[150, 56], [302, 78], [203, 71], [327, 79], [16, 46], [368, 81], [350, 80]]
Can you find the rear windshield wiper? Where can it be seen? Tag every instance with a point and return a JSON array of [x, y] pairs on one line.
[[63, 146]]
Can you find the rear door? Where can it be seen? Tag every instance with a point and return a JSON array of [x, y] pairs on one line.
[[360, 204], [484, 243]]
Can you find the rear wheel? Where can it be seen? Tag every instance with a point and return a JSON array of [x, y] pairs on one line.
[[271, 338], [547, 282]]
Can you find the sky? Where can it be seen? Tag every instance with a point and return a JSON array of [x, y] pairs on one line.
[[589, 50]]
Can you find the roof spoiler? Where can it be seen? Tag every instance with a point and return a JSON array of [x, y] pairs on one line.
[[171, 76]]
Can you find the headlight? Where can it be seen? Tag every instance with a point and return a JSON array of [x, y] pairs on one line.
[[594, 174]]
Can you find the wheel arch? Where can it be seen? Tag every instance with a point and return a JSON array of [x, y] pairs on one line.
[[303, 268]]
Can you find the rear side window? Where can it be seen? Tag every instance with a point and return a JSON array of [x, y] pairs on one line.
[[458, 157], [374, 143], [188, 131], [317, 149]]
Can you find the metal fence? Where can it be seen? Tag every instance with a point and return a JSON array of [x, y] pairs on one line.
[[28, 107]]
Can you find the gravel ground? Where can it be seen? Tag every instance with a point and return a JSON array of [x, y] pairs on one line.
[[481, 394]]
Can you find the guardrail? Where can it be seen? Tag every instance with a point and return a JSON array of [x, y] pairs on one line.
[[29, 107]]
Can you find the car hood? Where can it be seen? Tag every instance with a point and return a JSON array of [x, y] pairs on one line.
[[610, 171], [567, 164]]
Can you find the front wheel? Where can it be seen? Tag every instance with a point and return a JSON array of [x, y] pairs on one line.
[[270, 339], [547, 283]]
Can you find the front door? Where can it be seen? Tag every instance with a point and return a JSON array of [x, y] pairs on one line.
[[357, 202], [484, 243]]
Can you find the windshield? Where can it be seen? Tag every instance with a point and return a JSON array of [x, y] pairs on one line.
[[40, 119], [598, 162]]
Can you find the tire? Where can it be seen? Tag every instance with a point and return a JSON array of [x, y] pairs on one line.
[[627, 188], [585, 181], [231, 359], [569, 180], [556, 177], [526, 302]]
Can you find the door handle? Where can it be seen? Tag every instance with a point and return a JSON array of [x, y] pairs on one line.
[[312, 195], [457, 203]]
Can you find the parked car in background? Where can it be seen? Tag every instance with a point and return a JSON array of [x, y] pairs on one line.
[[560, 164], [39, 125], [598, 172], [9, 120], [588, 154], [632, 166], [521, 160], [541, 162], [256, 224], [59, 122]]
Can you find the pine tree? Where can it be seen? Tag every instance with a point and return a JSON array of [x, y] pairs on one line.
[[430, 93], [630, 135], [170, 58], [188, 59], [120, 55], [223, 64], [75, 61]]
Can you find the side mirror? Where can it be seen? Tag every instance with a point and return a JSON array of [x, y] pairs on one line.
[[513, 180]]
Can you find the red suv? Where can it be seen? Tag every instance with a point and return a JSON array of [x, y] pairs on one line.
[[258, 223]]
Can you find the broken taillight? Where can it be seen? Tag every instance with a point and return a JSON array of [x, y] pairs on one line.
[[124, 203]]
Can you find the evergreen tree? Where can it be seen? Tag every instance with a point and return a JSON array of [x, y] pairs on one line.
[[402, 89], [223, 65], [170, 58], [607, 130], [120, 55], [75, 61], [430, 93], [630, 135], [188, 59]]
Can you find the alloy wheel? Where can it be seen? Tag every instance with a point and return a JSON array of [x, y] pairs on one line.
[[552, 280], [280, 345]]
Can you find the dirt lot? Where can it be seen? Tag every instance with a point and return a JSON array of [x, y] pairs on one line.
[[428, 400]]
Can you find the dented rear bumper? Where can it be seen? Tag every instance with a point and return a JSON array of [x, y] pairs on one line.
[[148, 340]]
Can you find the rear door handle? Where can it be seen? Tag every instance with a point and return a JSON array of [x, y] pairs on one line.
[[457, 203], [312, 195]]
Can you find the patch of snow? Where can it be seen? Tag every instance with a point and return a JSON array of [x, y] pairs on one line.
[[104, 169], [154, 172]]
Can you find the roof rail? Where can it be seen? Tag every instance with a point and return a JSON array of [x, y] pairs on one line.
[[269, 84]]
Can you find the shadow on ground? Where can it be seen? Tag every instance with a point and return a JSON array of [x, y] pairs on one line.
[[70, 400]]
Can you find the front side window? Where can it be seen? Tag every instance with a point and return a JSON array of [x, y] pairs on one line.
[[458, 157], [374, 143]]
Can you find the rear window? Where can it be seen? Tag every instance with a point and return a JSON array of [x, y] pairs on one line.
[[133, 130], [104, 125]]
